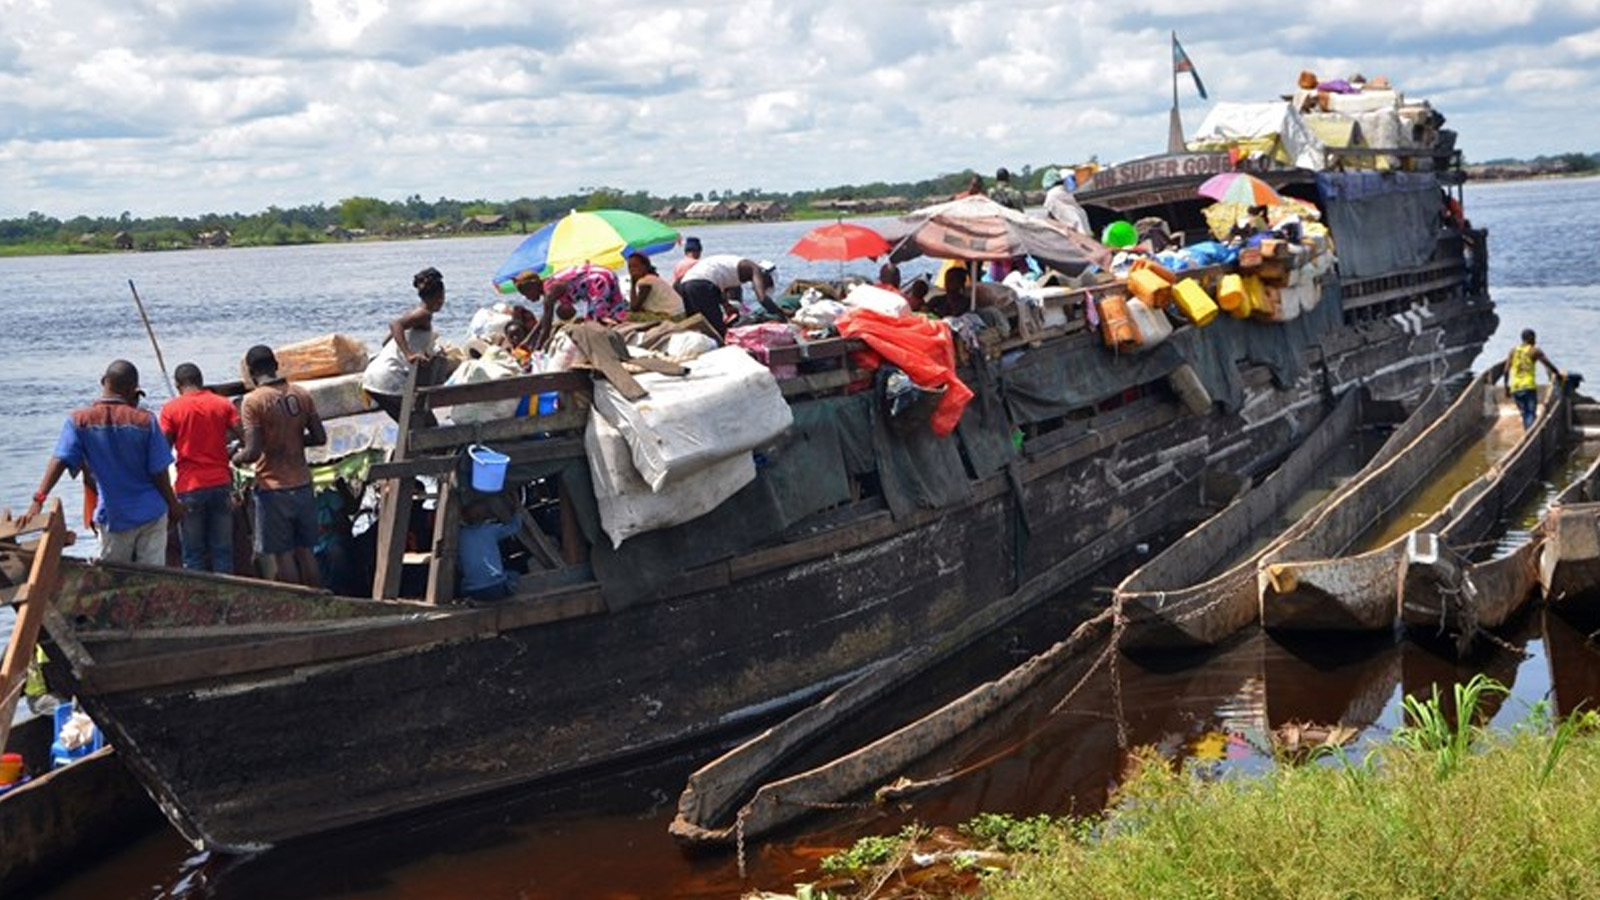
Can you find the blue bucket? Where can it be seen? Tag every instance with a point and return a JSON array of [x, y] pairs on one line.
[[488, 469]]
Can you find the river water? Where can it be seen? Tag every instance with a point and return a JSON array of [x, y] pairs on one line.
[[71, 315]]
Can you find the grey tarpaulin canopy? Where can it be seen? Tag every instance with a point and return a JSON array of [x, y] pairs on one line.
[[977, 228]]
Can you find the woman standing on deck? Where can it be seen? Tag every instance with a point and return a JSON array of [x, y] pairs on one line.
[[410, 343], [1520, 377]]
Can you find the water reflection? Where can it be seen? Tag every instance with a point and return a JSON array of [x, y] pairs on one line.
[[1061, 748]]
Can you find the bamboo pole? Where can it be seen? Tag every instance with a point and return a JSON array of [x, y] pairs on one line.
[[160, 361]]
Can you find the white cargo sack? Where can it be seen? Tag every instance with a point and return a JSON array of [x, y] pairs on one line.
[[495, 364], [627, 505], [866, 296], [727, 404], [686, 345]]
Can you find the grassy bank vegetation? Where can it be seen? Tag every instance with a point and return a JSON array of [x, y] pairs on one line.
[[1441, 810]]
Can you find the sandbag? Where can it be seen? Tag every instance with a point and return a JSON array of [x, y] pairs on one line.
[[626, 503], [321, 357], [728, 403]]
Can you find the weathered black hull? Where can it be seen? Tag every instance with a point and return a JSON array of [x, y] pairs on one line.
[[254, 724]]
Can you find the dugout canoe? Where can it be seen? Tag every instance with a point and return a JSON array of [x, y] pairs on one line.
[[1568, 561], [58, 818], [1175, 601], [1315, 582], [1447, 589]]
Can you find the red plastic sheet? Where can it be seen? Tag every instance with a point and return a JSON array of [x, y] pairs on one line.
[[923, 348]]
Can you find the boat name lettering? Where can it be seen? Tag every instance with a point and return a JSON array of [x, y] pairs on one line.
[[1176, 166]]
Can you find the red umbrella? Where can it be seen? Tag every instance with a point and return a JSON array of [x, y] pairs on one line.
[[840, 241]]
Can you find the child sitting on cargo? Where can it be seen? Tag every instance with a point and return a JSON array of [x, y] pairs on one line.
[[484, 524]]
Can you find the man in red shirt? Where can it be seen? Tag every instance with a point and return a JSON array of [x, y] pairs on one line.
[[280, 422], [199, 425]]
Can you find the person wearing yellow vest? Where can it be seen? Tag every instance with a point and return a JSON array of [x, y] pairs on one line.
[[1519, 376]]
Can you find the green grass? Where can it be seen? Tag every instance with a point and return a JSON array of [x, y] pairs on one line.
[[48, 248], [1442, 811]]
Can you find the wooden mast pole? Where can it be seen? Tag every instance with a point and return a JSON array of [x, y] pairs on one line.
[[1175, 142]]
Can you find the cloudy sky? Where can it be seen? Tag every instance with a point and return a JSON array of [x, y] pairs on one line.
[[188, 106]]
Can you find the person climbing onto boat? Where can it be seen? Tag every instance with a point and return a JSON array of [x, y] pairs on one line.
[[1520, 377], [122, 454], [704, 285], [410, 344], [280, 421], [691, 255], [649, 294], [199, 424]]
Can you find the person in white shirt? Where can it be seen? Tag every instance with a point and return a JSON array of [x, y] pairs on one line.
[[1060, 204], [704, 286]]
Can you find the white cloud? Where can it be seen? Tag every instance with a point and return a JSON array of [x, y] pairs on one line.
[[182, 106], [343, 22]]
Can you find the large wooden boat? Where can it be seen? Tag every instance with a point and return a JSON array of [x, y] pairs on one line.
[[1568, 559], [1180, 598], [257, 713], [1447, 587], [1315, 581]]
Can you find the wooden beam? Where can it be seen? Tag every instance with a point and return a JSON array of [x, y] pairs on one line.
[[40, 591], [446, 523], [832, 348], [505, 389], [817, 383], [451, 436], [537, 543], [321, 648], [394, 510], [528, 452]]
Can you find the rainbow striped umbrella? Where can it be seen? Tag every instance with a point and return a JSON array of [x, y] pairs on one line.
[[1239, 187], [604, 237]]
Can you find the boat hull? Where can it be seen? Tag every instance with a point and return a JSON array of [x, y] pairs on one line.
[[257, 714]]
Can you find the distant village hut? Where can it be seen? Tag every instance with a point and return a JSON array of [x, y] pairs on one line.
[[488, 222]]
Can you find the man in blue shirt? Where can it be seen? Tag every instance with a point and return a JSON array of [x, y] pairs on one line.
[[123, 454]]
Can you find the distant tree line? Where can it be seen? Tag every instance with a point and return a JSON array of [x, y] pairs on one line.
[[1553, 164], [373, 216]]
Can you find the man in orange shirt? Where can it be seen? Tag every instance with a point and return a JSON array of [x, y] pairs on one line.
[[199, 425], [280, 422]]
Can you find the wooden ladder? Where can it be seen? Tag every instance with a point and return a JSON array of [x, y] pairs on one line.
[[31, 601]]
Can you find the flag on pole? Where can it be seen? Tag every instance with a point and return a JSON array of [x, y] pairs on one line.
[[1182, 63]]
